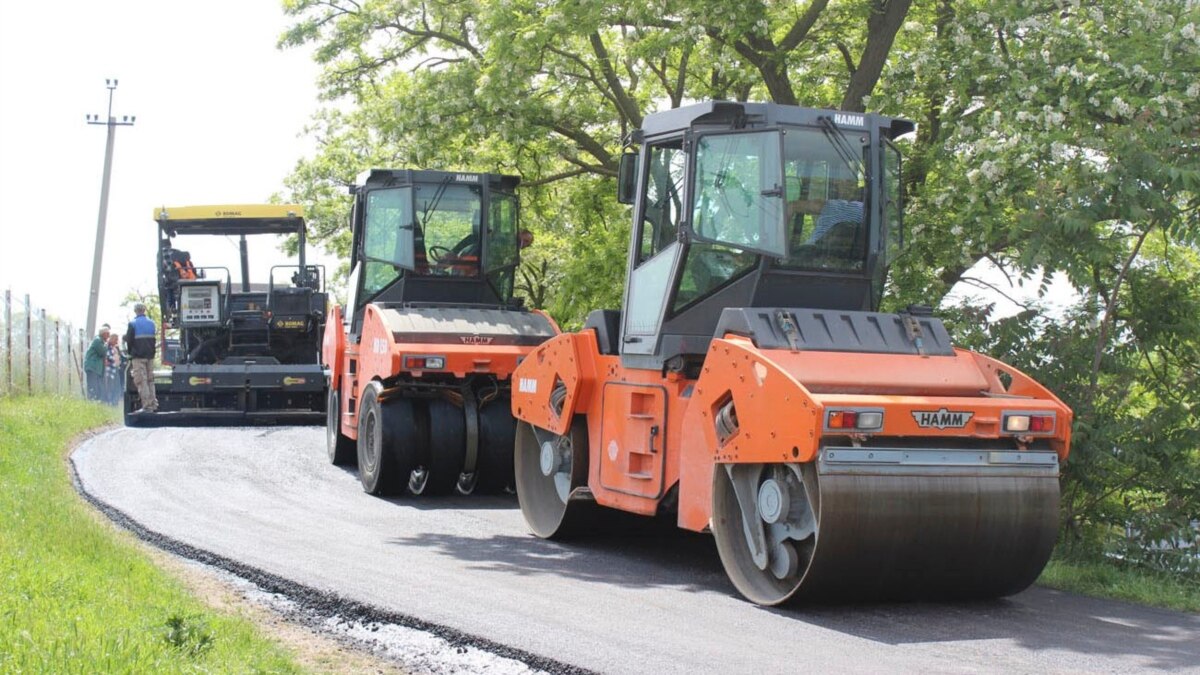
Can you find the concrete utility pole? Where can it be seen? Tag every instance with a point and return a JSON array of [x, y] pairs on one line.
[[112, 124]]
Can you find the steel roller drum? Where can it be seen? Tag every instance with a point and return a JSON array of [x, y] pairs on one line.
[[888, 524]]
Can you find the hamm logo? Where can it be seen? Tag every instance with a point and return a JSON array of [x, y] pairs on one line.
[[476, 339], [844, 120], [942, 419]]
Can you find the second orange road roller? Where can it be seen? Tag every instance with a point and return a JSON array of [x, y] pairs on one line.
[[752, 388], [421, 356]]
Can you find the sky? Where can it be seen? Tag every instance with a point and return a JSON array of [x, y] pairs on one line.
[[220, 111]]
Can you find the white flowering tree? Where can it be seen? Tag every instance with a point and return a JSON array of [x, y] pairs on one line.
[[1063, 137]]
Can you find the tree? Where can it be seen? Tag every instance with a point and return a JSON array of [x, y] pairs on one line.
[[549, 91], [1062, 138]]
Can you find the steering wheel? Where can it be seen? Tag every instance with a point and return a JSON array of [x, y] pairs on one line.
[[436, 253]]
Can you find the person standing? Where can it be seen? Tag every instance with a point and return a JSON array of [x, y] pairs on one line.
[[140, 341], [93, 364], [113, 382]]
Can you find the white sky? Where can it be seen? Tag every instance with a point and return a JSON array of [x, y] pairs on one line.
[[219, 111]]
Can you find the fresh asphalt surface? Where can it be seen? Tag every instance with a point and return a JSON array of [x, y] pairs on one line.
[[657, 602]]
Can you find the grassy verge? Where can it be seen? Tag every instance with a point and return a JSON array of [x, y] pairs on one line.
[[1107, 579], [74, 597]]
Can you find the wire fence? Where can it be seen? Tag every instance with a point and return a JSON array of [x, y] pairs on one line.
[[39, 353]]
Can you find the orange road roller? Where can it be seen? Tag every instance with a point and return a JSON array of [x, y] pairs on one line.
[[752, 389], [420, 358]]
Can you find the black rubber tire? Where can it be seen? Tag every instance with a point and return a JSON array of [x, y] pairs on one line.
[[386, 452], [497, 430], [446, 449], [342, 449]]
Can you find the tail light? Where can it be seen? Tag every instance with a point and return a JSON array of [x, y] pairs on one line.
[[1029, 423], [421, 362], [854, 420]]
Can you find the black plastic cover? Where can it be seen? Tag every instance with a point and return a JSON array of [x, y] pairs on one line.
[[802, 329]]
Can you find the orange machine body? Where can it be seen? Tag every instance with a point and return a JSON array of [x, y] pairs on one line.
[[650, 432], [380, 357]]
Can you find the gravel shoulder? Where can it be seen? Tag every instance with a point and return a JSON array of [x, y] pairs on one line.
[[466, 571]]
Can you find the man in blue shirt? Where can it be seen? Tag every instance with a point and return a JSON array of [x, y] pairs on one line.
[[845, 207], [140, 340]]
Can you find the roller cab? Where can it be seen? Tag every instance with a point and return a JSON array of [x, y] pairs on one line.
[[751, 388], [421, 357]]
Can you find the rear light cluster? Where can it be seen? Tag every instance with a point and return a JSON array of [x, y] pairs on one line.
[[1034, 423], [424, 362], [857, 420]]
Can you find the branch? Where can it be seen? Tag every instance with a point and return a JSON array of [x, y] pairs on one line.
[[625, 105], [980, 283], [591, 168], [434, 62], [430, 34], [681, 76], [1111, 306], [772, 68], [555, 177], [803, 25], [587, 144], [846, 56], [992, 259], [885, 21]]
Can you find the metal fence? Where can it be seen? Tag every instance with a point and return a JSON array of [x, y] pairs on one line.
[[39, 353]]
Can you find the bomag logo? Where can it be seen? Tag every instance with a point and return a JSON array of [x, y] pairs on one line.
[[476, 339], [197, 381], [289, 323], [942, 419], [289, 381], [227, 214]]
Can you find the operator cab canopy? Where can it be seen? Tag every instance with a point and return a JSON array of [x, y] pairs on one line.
[[233, 219], [754, 205]]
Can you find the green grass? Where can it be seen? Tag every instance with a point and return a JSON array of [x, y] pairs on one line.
[[1108, 579], [75, 597]]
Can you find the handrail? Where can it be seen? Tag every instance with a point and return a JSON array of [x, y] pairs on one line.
[[320, 269]]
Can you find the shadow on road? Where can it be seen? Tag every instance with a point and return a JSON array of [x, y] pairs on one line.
[[659, 555], [1040, 619], [649, 554], [456, 502]]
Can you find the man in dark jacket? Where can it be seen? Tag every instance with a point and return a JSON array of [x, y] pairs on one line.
[[93, 364], [140, 341]]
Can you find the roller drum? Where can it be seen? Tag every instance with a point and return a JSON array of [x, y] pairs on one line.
[[888, 524]]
